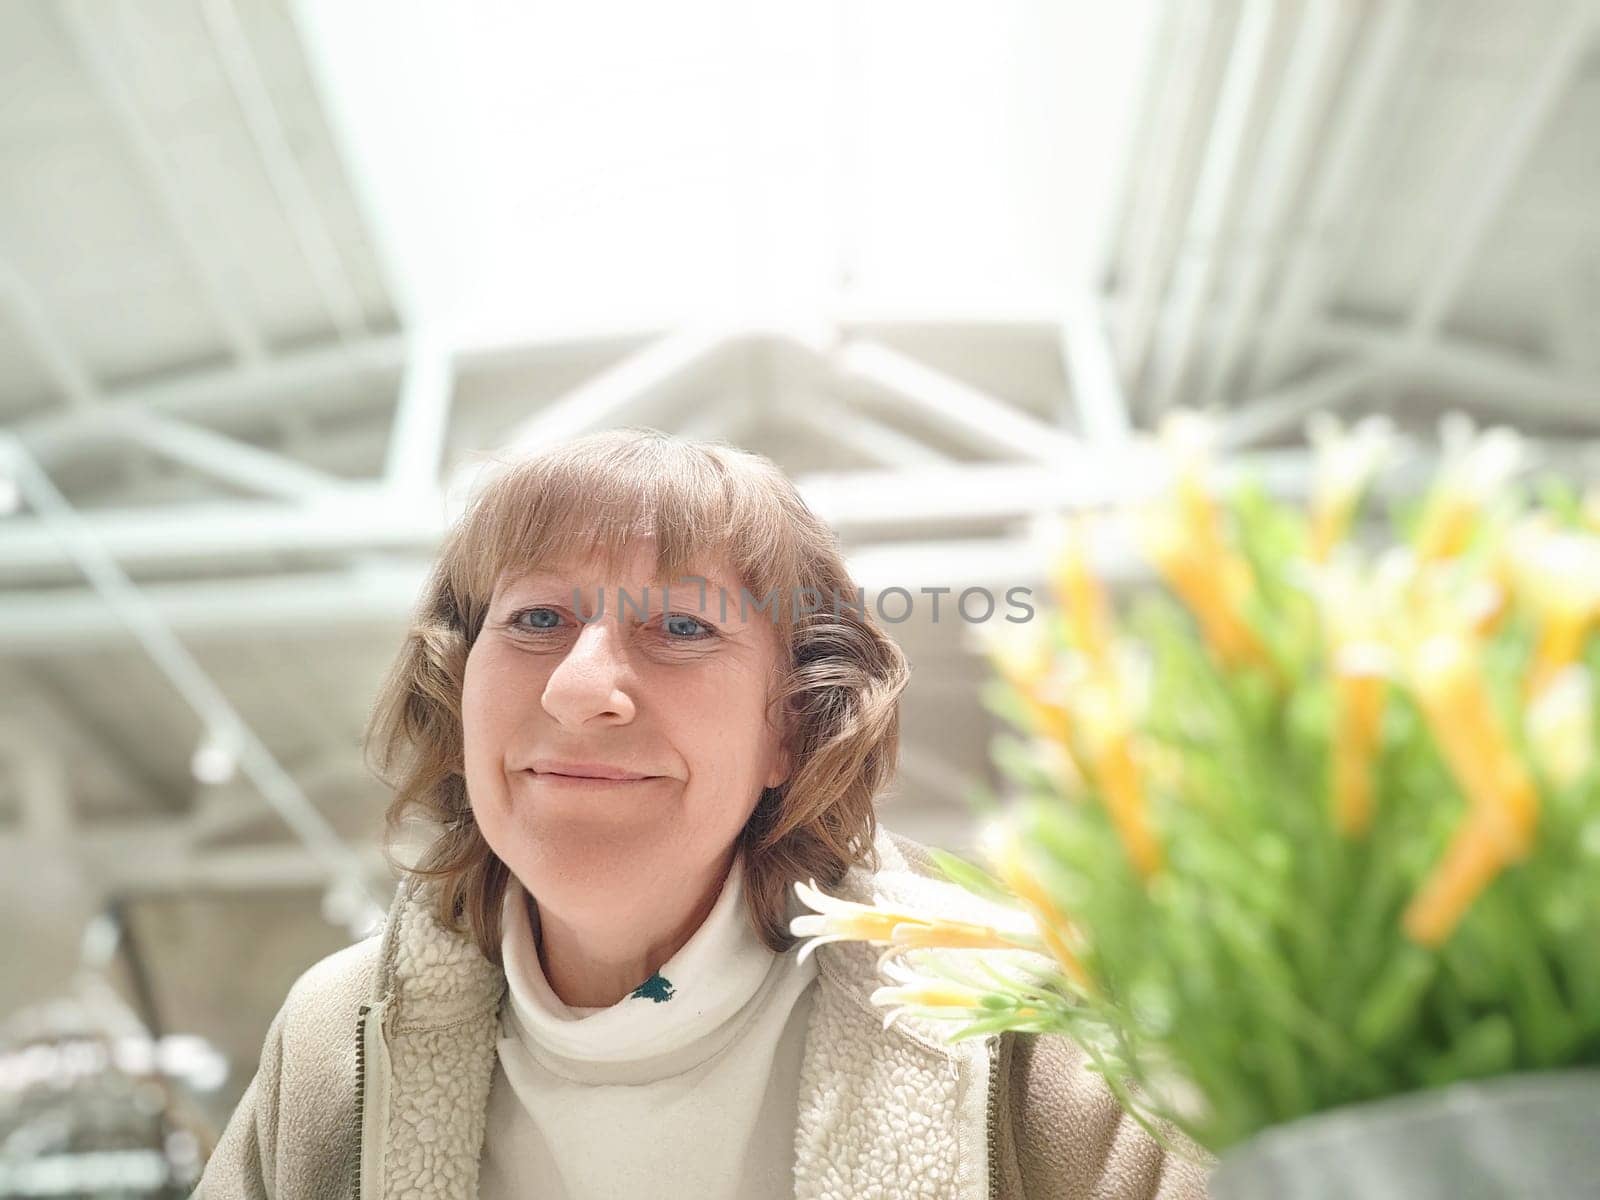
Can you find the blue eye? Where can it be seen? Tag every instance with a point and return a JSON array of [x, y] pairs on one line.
[[705, 630], [680, 626], [550, 612]]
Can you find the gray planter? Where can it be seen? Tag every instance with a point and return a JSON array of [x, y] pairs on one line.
[[1532, 1135]]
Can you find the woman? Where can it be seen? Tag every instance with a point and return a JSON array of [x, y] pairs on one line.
[[587, 985]]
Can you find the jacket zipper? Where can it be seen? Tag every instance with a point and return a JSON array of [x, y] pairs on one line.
[[372, 1082], [361, 1088], [991, 1131]]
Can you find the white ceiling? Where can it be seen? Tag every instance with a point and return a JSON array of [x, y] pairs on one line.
[[549, 169]]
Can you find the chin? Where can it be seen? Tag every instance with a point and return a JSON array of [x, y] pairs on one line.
[[565, 854]]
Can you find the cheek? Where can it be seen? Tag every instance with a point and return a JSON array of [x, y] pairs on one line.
[[488, 691], [721, 731]]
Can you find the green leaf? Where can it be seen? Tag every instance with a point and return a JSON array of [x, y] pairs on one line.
[[1488, 1048], [1392, 1006], [973, 878]]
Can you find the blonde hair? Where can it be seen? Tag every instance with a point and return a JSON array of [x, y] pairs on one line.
[[839, 691]]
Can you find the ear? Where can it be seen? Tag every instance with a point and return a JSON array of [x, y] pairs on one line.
[[782, 768]]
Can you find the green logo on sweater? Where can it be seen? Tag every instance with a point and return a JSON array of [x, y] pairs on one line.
[[655, 988]]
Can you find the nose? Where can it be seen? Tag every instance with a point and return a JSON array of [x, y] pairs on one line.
[[592, 681]]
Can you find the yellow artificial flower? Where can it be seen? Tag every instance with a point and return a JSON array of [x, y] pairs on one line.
[[1213, 587], [1027, 658], [1360, 690], [1184, 539], [1105, 709], [1556, 573], [1123, 785], [1500, 824], [1359, 665], [1001, 848], [1079, 592]]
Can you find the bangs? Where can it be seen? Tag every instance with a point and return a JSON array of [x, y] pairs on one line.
[[597, 495]]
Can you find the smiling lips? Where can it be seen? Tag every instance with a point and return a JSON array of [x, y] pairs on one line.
[[554, 771]]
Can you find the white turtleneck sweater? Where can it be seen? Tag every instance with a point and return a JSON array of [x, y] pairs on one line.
[[688, 1086]]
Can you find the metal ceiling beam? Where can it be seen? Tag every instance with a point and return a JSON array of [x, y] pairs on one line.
[[622, 393], [857, 502], [1520, 387], [614, 395], [1182, 119], [879, 441], [292, 380], [223, 458], [1129, 184], [1324, 225], [151, 158], [283, 171], [1309, 79], [1448, 363], [66, 370], [360, 518], [1486, 184], [1091, 372], [985, 422], [1490, 178], [65, 621], [1206, 243], [854, 502], [1287, 408], [421, 418]]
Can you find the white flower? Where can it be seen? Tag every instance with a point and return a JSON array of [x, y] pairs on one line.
[[1556, 570], [1346, 461], [1478, 464], [837, 920], [921, 996], [967, 984]]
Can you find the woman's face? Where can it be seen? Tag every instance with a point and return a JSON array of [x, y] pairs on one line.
[[678, 695]]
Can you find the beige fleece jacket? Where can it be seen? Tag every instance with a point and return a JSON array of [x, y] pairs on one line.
[[882, 1113]]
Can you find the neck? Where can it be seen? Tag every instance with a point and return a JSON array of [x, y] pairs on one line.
[[595, 965]]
